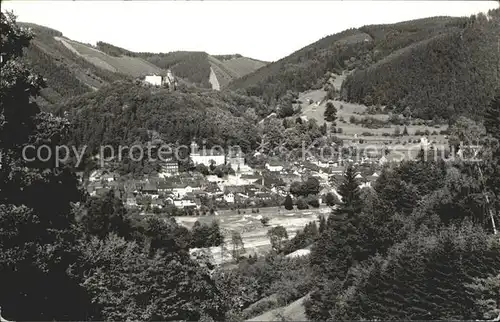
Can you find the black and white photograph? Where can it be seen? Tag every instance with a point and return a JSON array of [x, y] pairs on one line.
[[205, 160]]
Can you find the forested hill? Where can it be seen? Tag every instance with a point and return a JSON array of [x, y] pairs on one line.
[[427, 64], [125, 114], [452, 73], [195, 66], [73, 68]]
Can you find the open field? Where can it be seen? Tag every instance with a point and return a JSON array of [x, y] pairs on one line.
[[224, 71], [132, 66], [243, 65], [252, 231], [344, 112]]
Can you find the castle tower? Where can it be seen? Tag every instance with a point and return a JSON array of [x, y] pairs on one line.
[[194, 148]]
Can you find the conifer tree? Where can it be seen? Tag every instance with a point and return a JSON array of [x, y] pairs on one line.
[[486, 292], [492, 173], [351, 203], [492, 118], [288, 203], [340, 244], [322, 224], [330, 112], [445, 275]]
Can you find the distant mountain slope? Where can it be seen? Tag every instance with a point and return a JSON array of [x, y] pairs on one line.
[[67, 73], [195, 66], [393, 64], [230, 67], [128, 65], [301, 70], [73, 68], [224, 75], [448, 74], [213, 79], [243, 65], [190, 65]]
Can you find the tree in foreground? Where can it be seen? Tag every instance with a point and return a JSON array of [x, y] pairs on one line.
[[37, 239], [351, 203], [486, 292], [129, 282], [492, 118], [47, 270], [444, 275], [341, 243], [103, 215], [492, 173]]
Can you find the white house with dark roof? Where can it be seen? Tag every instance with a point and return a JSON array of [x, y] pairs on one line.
[[184, 203], [181, 190]]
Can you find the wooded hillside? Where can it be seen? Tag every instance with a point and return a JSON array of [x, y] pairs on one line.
[[436, 66], [449, 74], [125, 113]]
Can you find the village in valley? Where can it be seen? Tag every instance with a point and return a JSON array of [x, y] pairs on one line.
[[244, 193], [235, 171], [196, 193], [247, 192]]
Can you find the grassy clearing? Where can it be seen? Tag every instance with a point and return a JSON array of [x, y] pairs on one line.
[[243, 65], [133, 66]]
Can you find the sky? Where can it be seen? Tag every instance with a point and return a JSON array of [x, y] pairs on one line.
[[265, 30]]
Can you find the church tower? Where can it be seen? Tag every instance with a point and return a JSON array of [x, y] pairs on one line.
[[194, 148]]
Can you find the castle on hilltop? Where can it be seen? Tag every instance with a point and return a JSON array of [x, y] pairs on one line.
[[166, 80]]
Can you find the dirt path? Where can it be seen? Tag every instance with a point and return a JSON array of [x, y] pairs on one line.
[[213, 80]]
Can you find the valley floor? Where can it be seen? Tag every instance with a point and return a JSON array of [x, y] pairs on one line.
[[252, 231]]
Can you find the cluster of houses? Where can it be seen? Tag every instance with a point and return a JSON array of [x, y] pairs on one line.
[[182, 192], [246, 185], [185, 190]]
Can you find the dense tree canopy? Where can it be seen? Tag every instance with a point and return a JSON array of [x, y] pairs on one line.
[[126, 114], [425, 277], [37, 243], [60, 257]]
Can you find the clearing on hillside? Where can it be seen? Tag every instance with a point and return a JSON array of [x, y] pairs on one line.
[[132, 66]]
